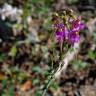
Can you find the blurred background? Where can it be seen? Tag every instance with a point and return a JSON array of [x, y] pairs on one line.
[[25, 49]]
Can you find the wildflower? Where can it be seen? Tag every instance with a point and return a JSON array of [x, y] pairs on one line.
[[73, 37], [60, 32], [77, 26], [68, 30]]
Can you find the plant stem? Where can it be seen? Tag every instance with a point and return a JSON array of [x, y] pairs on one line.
[[48, 84]]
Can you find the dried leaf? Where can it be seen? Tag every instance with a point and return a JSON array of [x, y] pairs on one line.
[[26, 86], [2, 76]]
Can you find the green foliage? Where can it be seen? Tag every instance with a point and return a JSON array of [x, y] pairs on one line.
[[38, 93], [42, 10], [92, 55], [78, 64], [13, 51], [4, 83], [33, 1], [35, 81], [94, 36], [72, 1], [54, 85], [37, 69], [2, 56], [11, 91]]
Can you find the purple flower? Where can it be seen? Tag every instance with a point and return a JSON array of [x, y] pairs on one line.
[[59, 31], [77, 25], [69, 34], [73, 37]]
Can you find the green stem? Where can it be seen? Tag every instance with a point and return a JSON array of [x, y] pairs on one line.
[[48, 84]]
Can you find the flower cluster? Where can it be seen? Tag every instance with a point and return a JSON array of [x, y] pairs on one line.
[[67, 28]]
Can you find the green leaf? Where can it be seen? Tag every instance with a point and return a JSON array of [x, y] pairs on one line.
[[13, 51], [11, 91], [35, 81], [37, 69], [54, 85], [78, 64], [2, 56], [38, 93], [94, 35], [92, 55], [4, 83]]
